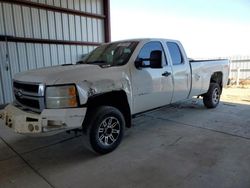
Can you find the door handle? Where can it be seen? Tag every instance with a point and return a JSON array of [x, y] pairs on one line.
[[166, 73]]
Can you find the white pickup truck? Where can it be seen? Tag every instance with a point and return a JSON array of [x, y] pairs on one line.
[[116, 81]]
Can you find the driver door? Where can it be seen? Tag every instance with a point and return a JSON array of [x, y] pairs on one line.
[[152, 87]]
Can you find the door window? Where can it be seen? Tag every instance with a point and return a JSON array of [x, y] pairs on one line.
[[147, 49], [175, 53]]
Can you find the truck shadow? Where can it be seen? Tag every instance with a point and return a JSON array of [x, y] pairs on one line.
[[65, 151]]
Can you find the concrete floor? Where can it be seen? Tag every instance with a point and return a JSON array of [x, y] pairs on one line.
[[185, 145]]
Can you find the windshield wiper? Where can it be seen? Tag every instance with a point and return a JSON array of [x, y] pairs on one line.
[[91, 62], [80, 62], [97, 62]]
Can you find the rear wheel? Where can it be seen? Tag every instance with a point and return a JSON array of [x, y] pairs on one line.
[[212, 98], [106, 128]]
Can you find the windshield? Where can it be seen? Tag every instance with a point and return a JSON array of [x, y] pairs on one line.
[[113, 54]]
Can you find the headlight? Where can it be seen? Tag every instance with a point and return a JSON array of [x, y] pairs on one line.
[[61, 96]]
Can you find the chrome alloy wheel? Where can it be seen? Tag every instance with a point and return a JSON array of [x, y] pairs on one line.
[[216, 96], [109, 131]]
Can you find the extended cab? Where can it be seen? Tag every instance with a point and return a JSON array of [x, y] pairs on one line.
[[110, 85]]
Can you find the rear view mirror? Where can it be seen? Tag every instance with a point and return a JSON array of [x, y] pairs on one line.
[[156, 59]]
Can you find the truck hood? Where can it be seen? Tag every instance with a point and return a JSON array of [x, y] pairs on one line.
[[61, 74], [89, 79]]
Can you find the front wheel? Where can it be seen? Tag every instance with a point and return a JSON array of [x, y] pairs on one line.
[[212, 98], [106, 129]]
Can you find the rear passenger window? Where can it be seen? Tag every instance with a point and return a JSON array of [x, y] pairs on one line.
[[175, 53]]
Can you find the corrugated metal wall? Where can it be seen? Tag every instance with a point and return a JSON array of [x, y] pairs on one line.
[[31, 22], [241, 62]]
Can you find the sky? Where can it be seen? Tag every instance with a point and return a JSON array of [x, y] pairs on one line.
[[206, 28]]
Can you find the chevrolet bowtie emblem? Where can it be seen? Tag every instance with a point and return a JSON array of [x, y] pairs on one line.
[[19, 93]]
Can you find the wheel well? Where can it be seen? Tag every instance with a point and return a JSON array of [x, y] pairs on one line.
[[217, 78], [117, 99]]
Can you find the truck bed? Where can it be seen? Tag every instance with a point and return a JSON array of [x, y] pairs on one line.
[[202, 71], [203, 60]]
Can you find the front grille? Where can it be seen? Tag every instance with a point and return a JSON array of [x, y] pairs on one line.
[[33, 103], [29, 95], [26, 87]]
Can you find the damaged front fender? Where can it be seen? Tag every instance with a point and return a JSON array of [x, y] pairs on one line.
[[87, 89]]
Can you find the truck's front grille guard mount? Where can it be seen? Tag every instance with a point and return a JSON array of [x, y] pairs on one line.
[[22, 95]]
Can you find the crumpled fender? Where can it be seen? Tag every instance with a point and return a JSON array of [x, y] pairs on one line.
[[87, 89]]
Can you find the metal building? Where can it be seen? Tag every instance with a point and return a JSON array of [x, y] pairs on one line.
[[39, 33], [240, 67]]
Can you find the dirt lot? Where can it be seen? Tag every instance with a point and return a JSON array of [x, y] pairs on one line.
[[236, 95], [182, 145]]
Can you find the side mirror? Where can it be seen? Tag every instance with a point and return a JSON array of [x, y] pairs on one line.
[[156, 59], [139, 63]]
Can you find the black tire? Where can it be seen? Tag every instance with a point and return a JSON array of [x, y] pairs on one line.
[[212, 98], [105, 129]]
